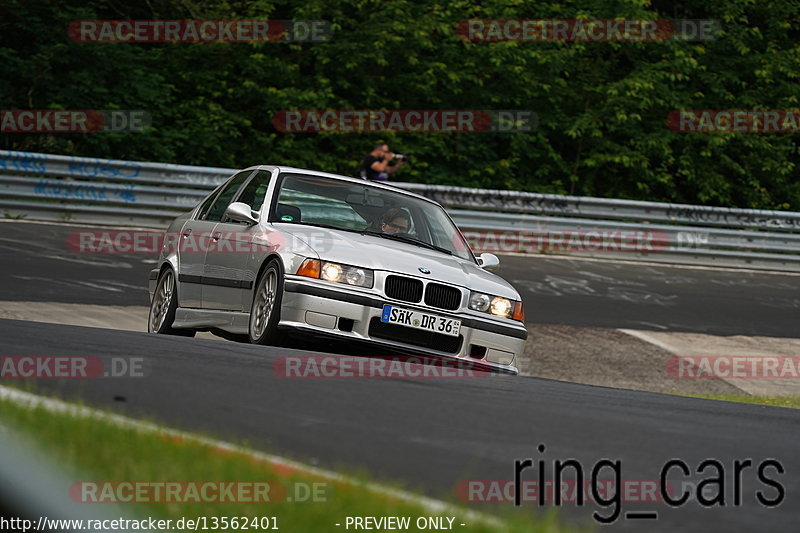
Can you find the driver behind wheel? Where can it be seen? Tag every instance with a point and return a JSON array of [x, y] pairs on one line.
[[395, 220]]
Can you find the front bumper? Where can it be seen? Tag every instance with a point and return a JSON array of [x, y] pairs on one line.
[[318, 308]]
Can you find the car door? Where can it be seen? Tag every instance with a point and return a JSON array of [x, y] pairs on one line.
[[232, 257], [195, 240]]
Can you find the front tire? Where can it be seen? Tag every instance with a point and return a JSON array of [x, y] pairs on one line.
[[163, 306], [265, 313]]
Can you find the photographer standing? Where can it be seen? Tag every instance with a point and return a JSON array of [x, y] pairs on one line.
[[375, 165]]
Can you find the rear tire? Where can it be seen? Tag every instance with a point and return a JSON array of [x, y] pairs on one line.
[[265, 313], [163, 306]]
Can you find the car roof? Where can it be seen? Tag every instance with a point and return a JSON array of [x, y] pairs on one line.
[[308, 172]]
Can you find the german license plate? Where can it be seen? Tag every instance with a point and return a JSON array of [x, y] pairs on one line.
[[418, 320]]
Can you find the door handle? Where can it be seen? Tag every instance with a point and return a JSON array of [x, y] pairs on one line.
[[216, 235], [186, 233]]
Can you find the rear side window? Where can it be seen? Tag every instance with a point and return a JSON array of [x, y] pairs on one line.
[[207, 203], [225, 197]]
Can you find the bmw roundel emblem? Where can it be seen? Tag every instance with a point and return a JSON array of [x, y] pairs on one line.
[[424, 270]]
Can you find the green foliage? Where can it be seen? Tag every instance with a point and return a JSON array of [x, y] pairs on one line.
[[601, 107]]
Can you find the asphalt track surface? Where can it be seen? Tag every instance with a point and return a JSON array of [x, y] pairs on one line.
[[36, 264], [430, 434]]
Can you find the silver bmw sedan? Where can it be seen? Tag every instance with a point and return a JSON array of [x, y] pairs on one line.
[[277, 249]]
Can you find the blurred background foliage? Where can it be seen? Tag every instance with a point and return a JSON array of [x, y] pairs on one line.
[[601, 107]]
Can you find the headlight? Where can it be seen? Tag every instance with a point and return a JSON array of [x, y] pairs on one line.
[[501, 307], [479, 301], [496, 305], [331, 272], [357, 276], [336, 273]]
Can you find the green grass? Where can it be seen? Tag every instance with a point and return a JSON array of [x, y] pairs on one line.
[[792, 402], [92, 449]]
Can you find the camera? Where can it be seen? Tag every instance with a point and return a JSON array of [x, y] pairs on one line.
[[401, 157]]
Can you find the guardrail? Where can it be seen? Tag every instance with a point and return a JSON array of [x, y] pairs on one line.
[[110, 192]]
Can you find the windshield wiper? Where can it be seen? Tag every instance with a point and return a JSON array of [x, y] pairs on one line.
[[409, 240]]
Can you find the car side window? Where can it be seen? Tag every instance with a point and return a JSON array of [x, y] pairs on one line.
[[256, 191], [225, 197], [206, 204], [253, 194]]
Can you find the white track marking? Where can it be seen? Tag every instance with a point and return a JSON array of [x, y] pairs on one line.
[[641, 335], [636, 262], [54, 405]]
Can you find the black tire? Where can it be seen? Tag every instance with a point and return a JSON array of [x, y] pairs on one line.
[[265, 312], [163, 306]]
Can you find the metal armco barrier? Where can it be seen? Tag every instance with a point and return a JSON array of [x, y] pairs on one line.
[[128, 193]]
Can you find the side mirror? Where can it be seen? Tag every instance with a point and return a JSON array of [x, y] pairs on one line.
[[241, 212], [487, 260]]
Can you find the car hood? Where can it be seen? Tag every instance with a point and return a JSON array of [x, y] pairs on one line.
[[378, 253]]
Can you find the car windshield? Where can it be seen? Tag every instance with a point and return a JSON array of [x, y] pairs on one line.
[[366, 209]]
